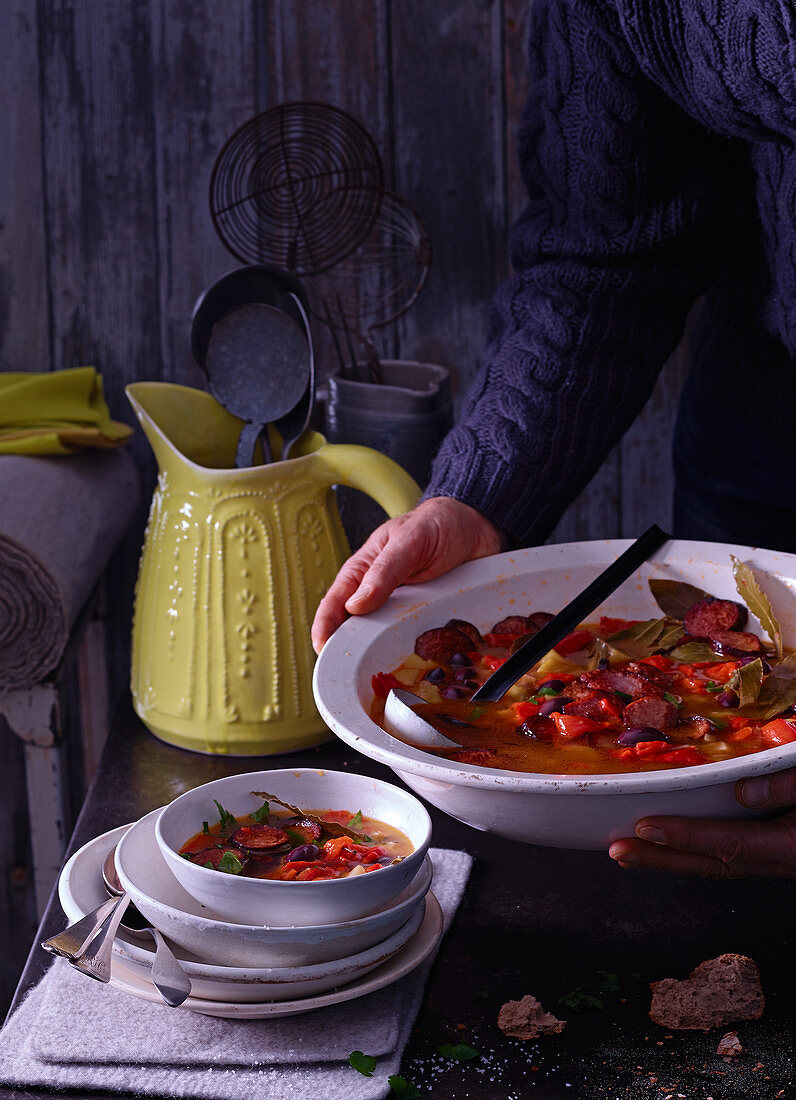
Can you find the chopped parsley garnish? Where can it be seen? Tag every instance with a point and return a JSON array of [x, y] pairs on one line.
[[362, 1063], [205, 828], [477, 712], [712, 688], [355, 824], [675, 699], [547, 692], [227, 819], [260, 815], [402, 1088], [458, 1052], [296, 837], [623, 695], [230, 863]]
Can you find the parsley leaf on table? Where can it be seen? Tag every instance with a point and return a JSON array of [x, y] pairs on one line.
[[362, 1063], [402, 1088], [458, 1052], [580, 999]]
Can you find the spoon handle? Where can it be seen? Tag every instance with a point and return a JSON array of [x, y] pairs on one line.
[[75, 939], [572, 615], [95, 960], [168, 977]]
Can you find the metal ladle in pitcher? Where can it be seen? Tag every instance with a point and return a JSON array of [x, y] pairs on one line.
[[250, 334], [258, 367]]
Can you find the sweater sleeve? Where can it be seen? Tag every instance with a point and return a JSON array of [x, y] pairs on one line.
[[630, 211]]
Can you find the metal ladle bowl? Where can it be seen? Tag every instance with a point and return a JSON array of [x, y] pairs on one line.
[[258, 366], [251, 336], [403, 722]]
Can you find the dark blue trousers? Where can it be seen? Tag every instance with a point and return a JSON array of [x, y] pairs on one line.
[[731, 484]]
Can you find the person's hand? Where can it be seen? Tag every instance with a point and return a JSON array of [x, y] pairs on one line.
[[721, 849], [434, 537]]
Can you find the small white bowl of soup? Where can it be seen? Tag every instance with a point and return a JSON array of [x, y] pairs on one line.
[[250, 860], [576, 798]]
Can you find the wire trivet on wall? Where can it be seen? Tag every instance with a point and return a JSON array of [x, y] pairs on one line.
[[301, 186]]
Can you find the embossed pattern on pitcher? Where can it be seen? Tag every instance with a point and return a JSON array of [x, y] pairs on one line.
[[233, 566]]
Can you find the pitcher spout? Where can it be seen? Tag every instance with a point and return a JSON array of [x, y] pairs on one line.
[[184, 424]]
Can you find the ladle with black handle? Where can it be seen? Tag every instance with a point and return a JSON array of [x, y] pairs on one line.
[[398, 710]]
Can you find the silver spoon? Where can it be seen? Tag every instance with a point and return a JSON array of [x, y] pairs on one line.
[[74, 940], [95, 960], [168, 977]]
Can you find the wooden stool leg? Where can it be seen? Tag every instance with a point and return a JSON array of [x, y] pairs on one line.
[[34, 716]]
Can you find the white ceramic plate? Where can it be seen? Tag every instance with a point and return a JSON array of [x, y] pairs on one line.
[[133, 979], [188, 923], [82, 891], [575, 811]]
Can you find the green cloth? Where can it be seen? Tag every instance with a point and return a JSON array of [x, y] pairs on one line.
[[56, 413]]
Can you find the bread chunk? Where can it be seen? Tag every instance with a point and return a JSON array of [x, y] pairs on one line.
[[718, 992], [526, 1019], [729, 1046]]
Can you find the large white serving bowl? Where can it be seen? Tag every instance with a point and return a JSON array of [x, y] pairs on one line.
[[272, 901], [186, 922], [563, 811]]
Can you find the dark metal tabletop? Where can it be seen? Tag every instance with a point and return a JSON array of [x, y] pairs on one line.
[[543, 921]]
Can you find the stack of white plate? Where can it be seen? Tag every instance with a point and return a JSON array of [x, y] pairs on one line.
[[246, 971]]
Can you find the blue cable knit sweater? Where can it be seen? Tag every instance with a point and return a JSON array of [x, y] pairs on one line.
[[658, 149]]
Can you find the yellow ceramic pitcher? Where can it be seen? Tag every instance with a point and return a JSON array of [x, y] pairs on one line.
[[232, 569]]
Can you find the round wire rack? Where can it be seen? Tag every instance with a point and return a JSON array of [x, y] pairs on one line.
[[382, 276], [298, 185]]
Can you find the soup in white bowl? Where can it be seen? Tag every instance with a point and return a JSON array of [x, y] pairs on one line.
[[275, 901], [558, 809]]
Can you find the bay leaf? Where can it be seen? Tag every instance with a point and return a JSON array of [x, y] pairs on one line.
[[675, 598], [333, 828], [645, 632], [519, 642], [600, 651], [779, 689], [746, 682], [672, 633], [647, 637], [756, 600], [693, 652]]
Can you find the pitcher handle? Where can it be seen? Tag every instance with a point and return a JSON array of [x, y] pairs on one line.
[[371, 472]]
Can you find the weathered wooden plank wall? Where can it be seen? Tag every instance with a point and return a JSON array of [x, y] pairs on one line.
[[114, 111], [117, 114]]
